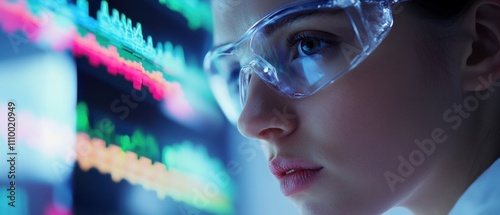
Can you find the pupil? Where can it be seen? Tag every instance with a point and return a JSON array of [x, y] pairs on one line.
[[309, 46]]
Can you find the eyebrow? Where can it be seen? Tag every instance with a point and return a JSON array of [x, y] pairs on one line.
[[288, 20], [283, 22], [270, 28]]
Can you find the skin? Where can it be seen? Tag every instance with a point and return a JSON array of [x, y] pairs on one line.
[[357, 128]]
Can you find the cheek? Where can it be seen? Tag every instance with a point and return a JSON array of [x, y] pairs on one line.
[[373, 115]]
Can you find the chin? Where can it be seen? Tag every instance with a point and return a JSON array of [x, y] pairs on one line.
[[325, 206], [315, 209], [328, 210]]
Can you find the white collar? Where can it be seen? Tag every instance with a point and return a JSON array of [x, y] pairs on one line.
[[483, 196]]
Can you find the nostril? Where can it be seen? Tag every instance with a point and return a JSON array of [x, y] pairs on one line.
[[270, 133]]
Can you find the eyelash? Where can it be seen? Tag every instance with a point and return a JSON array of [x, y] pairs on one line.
[[294, 38]]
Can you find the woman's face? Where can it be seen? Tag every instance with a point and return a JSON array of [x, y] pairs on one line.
[[372, 137]]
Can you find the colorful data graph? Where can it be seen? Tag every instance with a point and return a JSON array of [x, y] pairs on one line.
[[179, 185], [114, 28], [119, 31], [111, 40], [183, 171], [140, 143], [130, 70]]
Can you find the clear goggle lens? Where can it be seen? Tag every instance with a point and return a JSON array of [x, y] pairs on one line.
[[297, 50]]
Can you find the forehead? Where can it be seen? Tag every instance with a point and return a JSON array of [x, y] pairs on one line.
[[233, 17]]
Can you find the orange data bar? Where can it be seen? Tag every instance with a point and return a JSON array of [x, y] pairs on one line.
[[93, 153]]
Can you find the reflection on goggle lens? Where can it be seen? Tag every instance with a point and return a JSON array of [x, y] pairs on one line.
[[297, 50]]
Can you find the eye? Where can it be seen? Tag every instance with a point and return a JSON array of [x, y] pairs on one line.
[[311, 46], [308, 43]]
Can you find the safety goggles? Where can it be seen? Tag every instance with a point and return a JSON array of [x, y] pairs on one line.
[[299, 49]]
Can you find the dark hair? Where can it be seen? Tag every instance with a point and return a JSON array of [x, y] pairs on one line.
[[445, 12]]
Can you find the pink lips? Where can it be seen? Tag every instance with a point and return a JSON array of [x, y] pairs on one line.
[[294, 175]]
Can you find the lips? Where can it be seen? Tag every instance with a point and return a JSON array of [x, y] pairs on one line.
[[294, 175]]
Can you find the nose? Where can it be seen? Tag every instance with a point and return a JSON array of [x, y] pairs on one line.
[[266, 115]]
